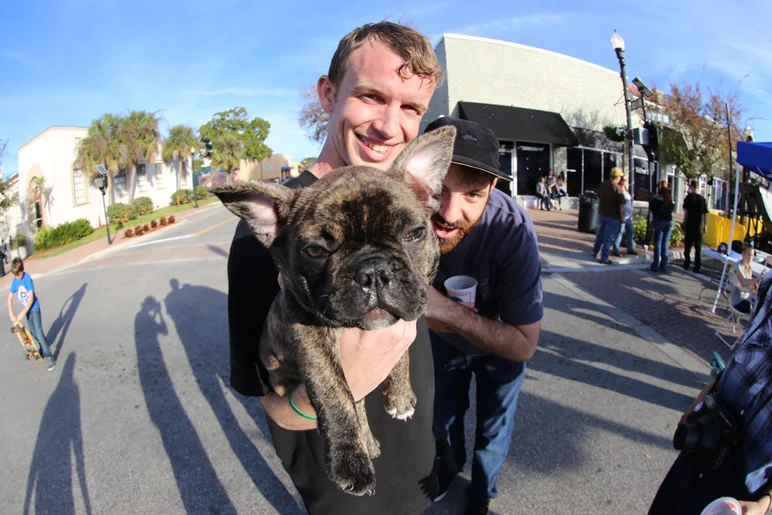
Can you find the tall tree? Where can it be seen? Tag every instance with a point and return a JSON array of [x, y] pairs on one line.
[[102, 145], [6, 199], [312, 117], [305, 163], [178, 147], [139, 138], [228, 150], [251, 133], [699, 142]]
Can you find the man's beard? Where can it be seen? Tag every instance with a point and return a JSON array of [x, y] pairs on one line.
[[464, 227]]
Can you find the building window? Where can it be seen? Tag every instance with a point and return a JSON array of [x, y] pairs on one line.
[[533, 161], [78, 187], [159, 175]]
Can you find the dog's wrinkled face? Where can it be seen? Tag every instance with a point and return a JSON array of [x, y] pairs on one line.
[[356, 248]]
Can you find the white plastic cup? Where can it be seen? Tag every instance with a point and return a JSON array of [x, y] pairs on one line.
[[462, 288], [723, 506]]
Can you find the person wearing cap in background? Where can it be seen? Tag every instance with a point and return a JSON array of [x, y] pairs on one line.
[[611, 214], [486, 235]]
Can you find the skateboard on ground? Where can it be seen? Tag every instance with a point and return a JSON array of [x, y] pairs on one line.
[[26, 341]]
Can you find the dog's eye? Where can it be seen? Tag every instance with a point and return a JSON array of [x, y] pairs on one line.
[[414, 235], [315, 251]]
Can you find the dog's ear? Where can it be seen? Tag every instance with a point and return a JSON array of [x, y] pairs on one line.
[[264, 205], [424, 163]]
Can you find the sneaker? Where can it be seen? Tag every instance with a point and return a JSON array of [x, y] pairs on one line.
[[632, 253], [477, 508], [51, 363], [616, 253], [445, 478], [606, 262]]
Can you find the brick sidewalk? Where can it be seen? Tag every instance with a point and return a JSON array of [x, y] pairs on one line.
[[667, 303], [36, 266], [564, 248]]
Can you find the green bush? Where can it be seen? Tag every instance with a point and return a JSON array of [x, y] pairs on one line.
[[20, 240], [185, 196], [120, 213], [639, 232], [202, 192], [143, 206], [50, 238]]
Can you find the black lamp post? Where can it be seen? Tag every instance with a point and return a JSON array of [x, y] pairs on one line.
[[193, 177], [619, 47]]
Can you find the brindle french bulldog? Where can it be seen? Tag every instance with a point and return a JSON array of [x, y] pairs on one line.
[[355, 249]]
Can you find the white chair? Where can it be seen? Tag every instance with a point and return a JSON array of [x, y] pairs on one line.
[[734, 318]]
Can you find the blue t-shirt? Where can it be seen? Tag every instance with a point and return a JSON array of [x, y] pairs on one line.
[[22, 287], [501, 252]]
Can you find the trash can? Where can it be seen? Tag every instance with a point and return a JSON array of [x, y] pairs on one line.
[[588, 212]]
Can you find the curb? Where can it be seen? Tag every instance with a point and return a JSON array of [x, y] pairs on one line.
[[699, 368]]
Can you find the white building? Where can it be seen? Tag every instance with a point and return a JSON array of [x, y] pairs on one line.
[[548, 111], [68, 194]]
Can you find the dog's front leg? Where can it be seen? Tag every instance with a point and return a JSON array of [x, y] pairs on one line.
[[348, 464], [400, 398]]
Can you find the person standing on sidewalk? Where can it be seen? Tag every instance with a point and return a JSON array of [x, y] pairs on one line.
[[662, 209], [610, 215], [486, 235], [380, 82], [626, 228], [695, 225], [23, 286]]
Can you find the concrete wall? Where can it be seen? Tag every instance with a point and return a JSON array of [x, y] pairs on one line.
[[498, 72]]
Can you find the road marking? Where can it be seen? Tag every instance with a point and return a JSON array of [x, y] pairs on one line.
[[215, 226], [164, 240]]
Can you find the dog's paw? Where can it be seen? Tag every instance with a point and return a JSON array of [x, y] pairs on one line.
[[373, 447], [353, 472], [401, 407]]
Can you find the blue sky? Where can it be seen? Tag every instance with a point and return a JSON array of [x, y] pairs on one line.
[[66, 62]]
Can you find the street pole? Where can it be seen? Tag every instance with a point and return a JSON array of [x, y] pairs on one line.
[[629, 133], [107, 222], [193, 179]]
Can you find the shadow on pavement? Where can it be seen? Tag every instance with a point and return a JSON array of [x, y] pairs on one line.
[[61, 325], [200, 316], [217, 250], [59, 442], [583, 310], [563, 362], [199, 488]]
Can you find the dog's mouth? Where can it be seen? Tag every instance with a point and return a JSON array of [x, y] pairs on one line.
[[377, 318]]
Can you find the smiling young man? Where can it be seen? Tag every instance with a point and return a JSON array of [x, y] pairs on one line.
[[380, 81], [484, 234]]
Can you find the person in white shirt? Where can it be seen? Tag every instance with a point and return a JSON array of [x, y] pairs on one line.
[[627, 228]]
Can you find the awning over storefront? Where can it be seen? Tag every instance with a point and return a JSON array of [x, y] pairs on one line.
[[520, 124], [594, 139]]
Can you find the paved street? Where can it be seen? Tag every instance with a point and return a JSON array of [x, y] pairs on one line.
[[138, 416]]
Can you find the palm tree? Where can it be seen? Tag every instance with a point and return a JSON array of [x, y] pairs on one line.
[[177, 147], [227, 151], [101, 146], [139, 143]]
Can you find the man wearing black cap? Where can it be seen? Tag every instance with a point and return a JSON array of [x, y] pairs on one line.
[[486, 235]]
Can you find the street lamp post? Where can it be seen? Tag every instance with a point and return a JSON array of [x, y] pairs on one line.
[[619, 47], [193, 177]]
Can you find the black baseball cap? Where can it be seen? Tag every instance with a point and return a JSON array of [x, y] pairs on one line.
[[476, 146]]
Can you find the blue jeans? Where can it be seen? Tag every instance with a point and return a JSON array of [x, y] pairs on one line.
[[662, 232], [36, 328], [607, 233], [498, 386], [627, 230]]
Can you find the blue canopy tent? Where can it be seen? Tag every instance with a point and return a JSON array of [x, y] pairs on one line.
[[758, 158]]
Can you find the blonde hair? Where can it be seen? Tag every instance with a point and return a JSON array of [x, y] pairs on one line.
[[412, 46]]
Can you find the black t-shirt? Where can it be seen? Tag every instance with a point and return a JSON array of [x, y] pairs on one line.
[[405, 482], [696, 208]]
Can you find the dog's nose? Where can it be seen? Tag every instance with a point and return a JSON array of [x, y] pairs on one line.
[[373, 273]]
